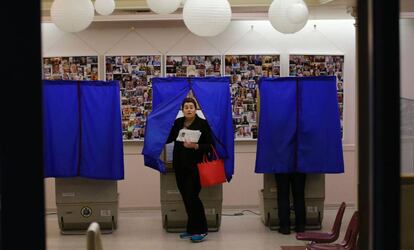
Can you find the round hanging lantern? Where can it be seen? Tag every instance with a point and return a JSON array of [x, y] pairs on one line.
[[298, 13], [105, 7], [163, 6], [207, 17], [285, 14], [72, 15]]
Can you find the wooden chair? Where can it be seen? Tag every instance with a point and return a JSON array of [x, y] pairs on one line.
[[325, 237]]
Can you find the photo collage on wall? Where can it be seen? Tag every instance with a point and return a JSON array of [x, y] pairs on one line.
[[321, 65], [70, 68], [193, 66], [245, 72], [134, 72]]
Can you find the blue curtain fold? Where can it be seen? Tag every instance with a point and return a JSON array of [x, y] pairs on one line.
[[299, 126], [168, 93], [320, 147], [276, 142], [101, 143], [212, 93], [166, 88], [82, 129], [61, 138]]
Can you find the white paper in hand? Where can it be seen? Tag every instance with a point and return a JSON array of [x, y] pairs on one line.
[[188, 135]]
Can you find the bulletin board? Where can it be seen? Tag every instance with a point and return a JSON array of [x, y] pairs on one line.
[[134, 72], [192, 65], [70, 68], [245, 72]]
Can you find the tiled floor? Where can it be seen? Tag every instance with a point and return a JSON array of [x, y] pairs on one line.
[[143, 230]]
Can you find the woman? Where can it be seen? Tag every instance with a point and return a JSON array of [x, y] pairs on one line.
[[186, 155]]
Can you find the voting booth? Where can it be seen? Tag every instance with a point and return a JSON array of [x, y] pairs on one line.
[[314, 202], [81, 201], [213, 95], [299, 132], [174, 217], [83, 151]]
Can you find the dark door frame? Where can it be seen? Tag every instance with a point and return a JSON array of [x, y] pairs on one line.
[[378, 124], [22, 194]]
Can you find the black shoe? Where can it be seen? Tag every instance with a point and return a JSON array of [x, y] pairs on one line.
[[284, 230], [300, 228]]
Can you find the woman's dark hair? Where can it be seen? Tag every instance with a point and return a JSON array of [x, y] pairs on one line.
[[189, 99]]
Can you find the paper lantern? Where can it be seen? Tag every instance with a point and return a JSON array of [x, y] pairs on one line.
[[105, 7], [207, 17], [163, 6], [278, 16], [72, 15], [298, 13]]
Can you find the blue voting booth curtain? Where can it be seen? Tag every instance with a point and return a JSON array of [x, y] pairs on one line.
[[61, 138], [82, 129], [212, 93], [276, 142], [101, 140], [319, 135], [167, 95], [299, 126]]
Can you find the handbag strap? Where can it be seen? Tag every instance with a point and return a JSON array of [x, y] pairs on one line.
[[214, 152], [205, 158]]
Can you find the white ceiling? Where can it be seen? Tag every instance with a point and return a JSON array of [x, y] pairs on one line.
[[242, 10], [129, 10]]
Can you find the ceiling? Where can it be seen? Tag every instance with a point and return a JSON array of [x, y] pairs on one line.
[[128, 10]]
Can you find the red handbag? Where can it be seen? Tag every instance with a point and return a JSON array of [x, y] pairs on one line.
[[211, 172]]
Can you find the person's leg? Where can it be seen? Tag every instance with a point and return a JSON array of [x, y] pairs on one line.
[[283, 202], [197, 222], [298, 192], [180, 177]]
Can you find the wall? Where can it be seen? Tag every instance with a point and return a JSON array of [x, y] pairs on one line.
[[407, 91], [407, 57], [140, 189]]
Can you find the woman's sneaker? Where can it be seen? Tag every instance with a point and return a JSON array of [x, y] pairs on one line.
[[186, 235], [198, 237]]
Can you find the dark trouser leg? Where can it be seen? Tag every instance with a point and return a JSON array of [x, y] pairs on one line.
[[298, 192], [188, 183], [283, 202]]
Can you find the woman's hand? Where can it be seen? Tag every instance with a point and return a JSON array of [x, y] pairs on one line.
[[188, 144]]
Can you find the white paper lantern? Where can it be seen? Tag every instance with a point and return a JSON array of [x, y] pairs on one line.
[[278, 16], [298, 13], [163, 6], [105, 7], [72, 15], [207, 17]]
